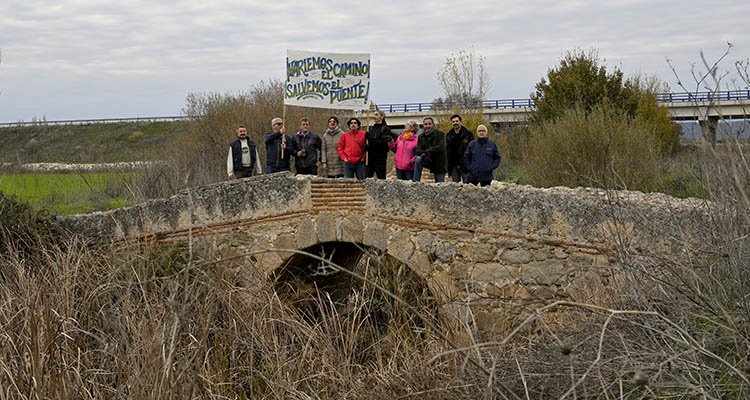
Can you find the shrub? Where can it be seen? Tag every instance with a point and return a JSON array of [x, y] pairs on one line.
[[603, 148]]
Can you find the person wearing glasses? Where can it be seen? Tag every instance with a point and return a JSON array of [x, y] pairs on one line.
[[352, 150], [278, 148]]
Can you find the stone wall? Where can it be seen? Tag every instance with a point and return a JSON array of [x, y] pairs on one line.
[[493, 251]]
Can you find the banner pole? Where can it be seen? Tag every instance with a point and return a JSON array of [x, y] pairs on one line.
[[283, 127], [367, 130]]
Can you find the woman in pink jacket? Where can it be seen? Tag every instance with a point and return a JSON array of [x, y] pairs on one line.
[[404, 147]]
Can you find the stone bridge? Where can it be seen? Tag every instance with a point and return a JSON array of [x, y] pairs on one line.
[[484, 250]]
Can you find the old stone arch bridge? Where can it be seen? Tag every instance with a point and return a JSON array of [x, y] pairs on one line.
[[484, 250]]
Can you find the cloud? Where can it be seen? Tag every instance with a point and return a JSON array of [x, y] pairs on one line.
[[90, 59]]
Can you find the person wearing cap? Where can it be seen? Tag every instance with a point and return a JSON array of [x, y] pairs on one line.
[[243, 160], [481, 158], [278, 148], [352, 150]]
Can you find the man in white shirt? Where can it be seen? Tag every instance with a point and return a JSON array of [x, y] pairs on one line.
[[243, 160]]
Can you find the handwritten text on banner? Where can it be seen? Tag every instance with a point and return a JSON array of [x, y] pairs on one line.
[[327, 80]]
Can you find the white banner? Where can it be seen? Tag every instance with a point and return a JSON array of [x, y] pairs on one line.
[[327, 80]]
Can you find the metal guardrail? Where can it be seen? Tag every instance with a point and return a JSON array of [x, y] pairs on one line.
[[664, 98], [97, 121], [701, 97]]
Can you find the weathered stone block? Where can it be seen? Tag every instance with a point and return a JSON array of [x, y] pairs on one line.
[[477, 252], [509, 291], [421, 264], [401, 246], [325, 226], [285, 241], [517, 256], [546, 272], [352, 229], [495, 272], [306, 235], [376, 235]]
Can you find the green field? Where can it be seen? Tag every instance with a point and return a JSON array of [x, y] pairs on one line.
[[67, 194]]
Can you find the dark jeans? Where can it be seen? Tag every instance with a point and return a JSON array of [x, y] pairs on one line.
[[311, 170], [270, 169], [404, 174], [458, 175], [352, 170], [439, 176], [375, 167], [243, 173]]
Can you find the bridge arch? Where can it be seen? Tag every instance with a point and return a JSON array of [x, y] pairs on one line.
[[494, 251]]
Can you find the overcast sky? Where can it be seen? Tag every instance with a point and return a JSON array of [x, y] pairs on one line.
[[68, 59]]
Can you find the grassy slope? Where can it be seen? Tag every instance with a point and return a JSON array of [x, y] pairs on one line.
[[67, 193], [93, 143]]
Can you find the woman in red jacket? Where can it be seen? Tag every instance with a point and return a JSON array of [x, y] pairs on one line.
[[352, 150]]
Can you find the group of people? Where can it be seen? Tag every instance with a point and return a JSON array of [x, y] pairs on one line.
[[355, 153]]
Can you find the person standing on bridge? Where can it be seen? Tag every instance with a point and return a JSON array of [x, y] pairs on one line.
[[431, 152], [243, 160], [456, 142], [329, 154], [278, 147], [481, 158], [404, 147], [306, 149], [352, 150], [378, 138]]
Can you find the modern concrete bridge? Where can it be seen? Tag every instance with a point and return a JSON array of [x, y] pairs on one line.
[[486, 254], [698, 106]]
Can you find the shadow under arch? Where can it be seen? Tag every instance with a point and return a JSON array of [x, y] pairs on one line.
[[316, 288]]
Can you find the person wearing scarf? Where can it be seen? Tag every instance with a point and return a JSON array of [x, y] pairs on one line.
[[329, 154], [404, 147]]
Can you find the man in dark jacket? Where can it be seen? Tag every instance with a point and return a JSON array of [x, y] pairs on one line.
[[306, 150], [456, 142], [481, 158], [242, 160], [431, 152], [378, 137], [278, 147]]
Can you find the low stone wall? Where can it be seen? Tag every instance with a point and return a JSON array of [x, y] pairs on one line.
[[493, 251]]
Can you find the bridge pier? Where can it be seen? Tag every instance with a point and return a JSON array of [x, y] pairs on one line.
[[708, 128]]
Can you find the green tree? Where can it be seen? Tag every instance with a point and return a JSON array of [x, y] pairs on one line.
[[582, 82]]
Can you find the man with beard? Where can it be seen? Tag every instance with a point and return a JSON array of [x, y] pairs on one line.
[[431, 152], [242, 160], [456, 142]]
